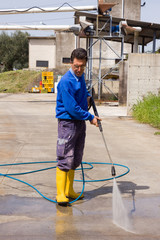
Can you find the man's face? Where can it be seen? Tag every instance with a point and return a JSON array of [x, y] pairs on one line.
[[78, 66]]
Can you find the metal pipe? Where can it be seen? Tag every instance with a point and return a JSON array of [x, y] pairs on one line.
[[122, 8], [122, 47], [154, 42], [90, 64], [75, 27], [143, 43], [44, 10], [110, 31], [99, 78], [87, 67]]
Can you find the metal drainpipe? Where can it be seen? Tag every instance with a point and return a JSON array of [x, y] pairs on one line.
[[90, 42], [154, 42], [122, 8], [99, 78], [143, 42]]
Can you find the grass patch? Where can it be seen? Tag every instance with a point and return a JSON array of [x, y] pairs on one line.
[[148, 110], [157, 133], [17, 81]]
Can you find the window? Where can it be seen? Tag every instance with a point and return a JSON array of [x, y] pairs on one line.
[[65, 60], [41, 63]]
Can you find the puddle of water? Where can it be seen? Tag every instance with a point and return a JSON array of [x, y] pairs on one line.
[[120, 215], [26, 206]]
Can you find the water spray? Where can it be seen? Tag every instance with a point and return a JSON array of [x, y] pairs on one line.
[[92, 103], [120, 215]]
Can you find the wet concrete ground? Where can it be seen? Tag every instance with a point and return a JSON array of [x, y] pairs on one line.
[[28, 133]]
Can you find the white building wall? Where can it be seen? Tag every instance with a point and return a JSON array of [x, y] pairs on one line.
[[42, 49]]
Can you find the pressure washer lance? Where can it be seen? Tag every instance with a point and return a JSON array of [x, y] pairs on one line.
[[92, 103]]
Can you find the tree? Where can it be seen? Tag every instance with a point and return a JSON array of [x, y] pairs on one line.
[[14, 50]]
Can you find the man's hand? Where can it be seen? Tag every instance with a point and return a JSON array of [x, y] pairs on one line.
[[94, 121]]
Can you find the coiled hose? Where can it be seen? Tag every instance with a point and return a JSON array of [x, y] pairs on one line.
[[11, 176]]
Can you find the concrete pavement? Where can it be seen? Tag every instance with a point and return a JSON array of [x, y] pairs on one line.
[[28, 133]]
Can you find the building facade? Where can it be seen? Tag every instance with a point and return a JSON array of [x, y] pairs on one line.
[[42, 52]]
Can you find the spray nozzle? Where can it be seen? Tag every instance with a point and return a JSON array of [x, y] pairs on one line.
[[113, 171]]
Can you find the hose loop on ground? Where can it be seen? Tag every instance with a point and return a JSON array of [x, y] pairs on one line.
[[44, 169]]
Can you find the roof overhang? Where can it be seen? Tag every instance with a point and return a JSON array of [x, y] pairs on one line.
[[149, 30]]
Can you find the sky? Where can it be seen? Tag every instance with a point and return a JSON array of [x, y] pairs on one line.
[[149, 13]]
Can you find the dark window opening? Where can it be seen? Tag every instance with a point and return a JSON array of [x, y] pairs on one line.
[[65, 60], [41, 63]]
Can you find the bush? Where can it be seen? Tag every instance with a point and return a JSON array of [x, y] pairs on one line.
[[148, 110]]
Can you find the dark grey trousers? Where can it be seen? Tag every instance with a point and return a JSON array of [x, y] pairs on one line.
[[70, 143]]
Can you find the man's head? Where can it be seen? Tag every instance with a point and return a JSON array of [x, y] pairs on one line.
[[78, 61]]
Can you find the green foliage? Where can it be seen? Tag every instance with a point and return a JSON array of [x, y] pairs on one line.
[[148, 110], [14, 50], [158, 51], [157, 133], [17, 81]]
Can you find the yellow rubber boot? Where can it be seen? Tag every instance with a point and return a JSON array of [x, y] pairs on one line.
[[61, 178], [69, 192]]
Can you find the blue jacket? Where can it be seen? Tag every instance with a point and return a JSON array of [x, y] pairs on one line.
[[72, 98]]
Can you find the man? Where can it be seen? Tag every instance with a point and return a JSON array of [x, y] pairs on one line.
[[71, 111]]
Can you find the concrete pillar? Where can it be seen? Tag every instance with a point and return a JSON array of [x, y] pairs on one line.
[[77, 41], [123, 73], [135, 46]]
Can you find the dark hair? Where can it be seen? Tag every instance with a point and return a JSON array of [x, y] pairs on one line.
[[79, 53]]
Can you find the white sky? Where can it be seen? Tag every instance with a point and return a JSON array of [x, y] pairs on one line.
[[149, 13]]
